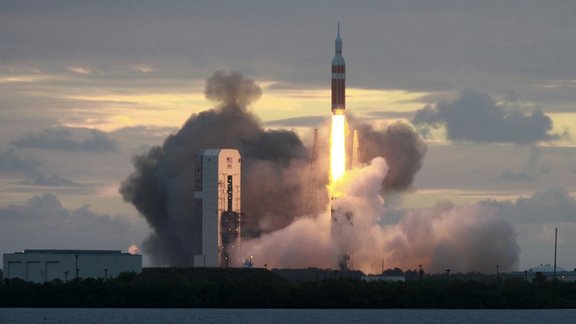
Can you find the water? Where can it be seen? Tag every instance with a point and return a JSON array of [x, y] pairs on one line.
[[281, 316]]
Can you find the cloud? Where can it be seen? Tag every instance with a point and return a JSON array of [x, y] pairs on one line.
[[51, 180], [43, 222], [67, 139], [552, 205], [308, 121], [516, 176], [476, 117], [10, 161]]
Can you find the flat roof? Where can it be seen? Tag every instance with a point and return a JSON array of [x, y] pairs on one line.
[[73, 251]]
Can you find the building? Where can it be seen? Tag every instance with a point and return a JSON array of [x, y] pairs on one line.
[[217, 206], [47, 265]]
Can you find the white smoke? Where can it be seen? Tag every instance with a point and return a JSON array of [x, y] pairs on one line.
[[460, 238]]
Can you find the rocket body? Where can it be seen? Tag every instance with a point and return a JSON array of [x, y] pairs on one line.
[[338, 79]]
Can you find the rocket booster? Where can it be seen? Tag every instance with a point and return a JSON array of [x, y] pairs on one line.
[[338, 79]]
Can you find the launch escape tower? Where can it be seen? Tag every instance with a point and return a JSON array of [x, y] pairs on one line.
[[217, 205]]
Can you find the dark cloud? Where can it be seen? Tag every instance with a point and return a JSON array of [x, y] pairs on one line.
[[51, 180], [33, 171], [531, 170], [67, 139], [43, 222], [10, 161], [552, 205], [516, 176], [309, 121], [399, 144], [476, 117]]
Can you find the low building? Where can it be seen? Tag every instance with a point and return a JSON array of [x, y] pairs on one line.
[[47, 265]]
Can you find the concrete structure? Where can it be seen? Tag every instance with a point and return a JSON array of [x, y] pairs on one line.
[[338, 79], [217, 206], [48, 265]]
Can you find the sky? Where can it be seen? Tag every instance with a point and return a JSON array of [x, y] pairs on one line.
[[85, 85]]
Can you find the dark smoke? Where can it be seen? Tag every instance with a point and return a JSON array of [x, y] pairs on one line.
[[400, 145], [476, 117], [275, 170], [161, 185]]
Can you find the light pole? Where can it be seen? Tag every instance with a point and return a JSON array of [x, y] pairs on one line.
[[77, 270]]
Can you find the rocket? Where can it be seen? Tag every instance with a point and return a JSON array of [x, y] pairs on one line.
[[338, 78]]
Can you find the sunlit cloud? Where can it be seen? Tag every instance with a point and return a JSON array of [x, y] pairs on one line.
[[143, 68], [79, 69], [558, 84]]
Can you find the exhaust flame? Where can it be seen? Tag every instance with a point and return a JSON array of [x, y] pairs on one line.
[[337, 149]]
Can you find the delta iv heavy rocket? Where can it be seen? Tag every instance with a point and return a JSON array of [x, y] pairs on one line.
[[338, 79]]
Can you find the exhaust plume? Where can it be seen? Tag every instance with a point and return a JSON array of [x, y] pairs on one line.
[[463, 238]]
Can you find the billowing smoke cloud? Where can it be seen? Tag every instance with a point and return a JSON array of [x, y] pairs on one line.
[[43, 222], [67, 139], [464, 238], [476, 117], [400, 145], [275, 169]]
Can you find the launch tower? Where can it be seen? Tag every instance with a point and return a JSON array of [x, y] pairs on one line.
[[217, 204]]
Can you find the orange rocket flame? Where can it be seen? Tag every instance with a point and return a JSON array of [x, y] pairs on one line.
[[337, 151]]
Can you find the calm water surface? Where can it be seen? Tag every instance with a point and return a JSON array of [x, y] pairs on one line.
[[288, 316]]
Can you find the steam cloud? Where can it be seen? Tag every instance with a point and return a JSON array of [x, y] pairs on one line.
[[476, 117], [274, 176]]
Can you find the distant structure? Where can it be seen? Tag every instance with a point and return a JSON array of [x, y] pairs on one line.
[[46, 265], [545, 271], [217, 206]]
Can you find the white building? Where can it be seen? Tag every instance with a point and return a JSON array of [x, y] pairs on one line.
[[48, 265], [217, 200]]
